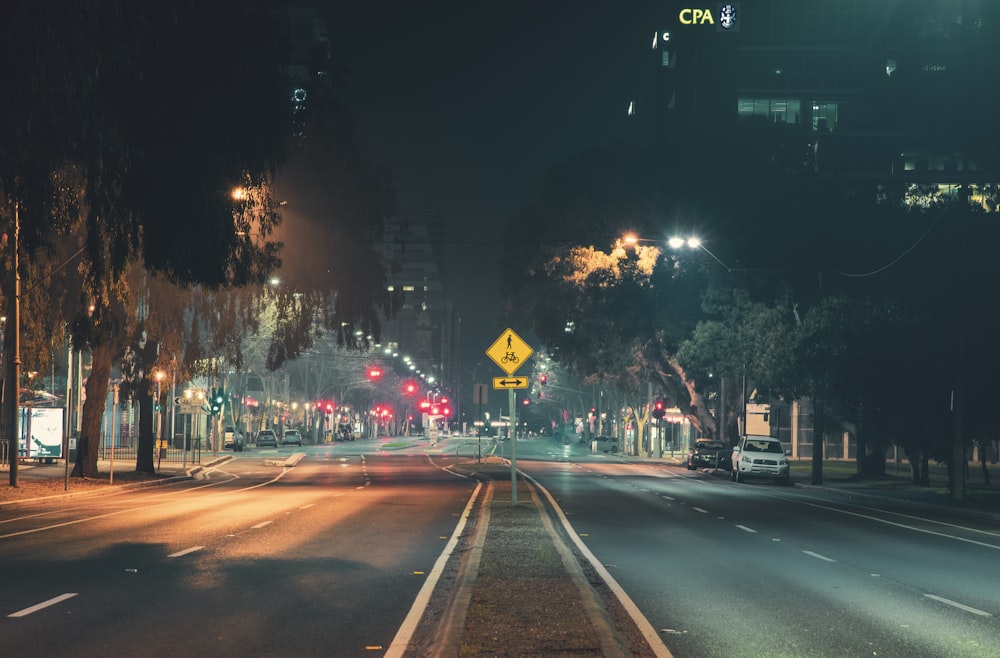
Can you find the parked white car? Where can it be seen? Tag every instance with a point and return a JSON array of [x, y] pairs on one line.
[[760, 457]]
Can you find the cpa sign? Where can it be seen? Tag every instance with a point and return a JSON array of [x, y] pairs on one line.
[[695, 16]]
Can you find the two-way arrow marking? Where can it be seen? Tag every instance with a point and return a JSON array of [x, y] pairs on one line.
[[510, 382]]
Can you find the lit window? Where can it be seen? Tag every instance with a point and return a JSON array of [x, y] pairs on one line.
[[776, 110], [824, 116]]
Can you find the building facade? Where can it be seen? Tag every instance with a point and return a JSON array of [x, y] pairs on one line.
[[893, 91]]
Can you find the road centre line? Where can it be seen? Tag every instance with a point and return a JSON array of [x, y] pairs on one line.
[[186, 551], [819, 557], [746, 529], [44, 604], [698, 509], [960, 606], [261, 525]]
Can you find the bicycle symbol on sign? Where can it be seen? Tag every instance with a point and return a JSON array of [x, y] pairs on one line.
[[509, 357]]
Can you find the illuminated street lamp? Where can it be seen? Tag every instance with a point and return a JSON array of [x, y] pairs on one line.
[[694, 242]]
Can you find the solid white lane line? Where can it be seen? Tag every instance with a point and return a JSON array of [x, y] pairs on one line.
[[186, 551], [260, 525], [819, 557], [652, 638], [910, 527], [746, 529], [400, 643], [42, 605], [958, 605]]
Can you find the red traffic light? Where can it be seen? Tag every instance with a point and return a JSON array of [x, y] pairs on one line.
[[374, 373], [543, 379], [409, 388]]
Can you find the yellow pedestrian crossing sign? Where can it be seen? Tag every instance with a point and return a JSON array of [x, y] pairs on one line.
[[509, 351]]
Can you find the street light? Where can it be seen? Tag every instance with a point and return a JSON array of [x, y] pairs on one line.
[[694, 242]]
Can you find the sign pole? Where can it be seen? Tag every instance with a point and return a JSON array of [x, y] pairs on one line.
[[512, 435], [509, 351]]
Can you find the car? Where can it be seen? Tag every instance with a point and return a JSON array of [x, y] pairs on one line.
[[345, 432], [291, 437], [233, 439], [708, 453], [267, 438], [760, 457], [605, 444]]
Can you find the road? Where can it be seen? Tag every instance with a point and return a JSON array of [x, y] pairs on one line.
[[726, 569], [326, 558]]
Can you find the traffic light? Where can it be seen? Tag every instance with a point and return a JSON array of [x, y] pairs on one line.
[[216, 400], [374, 373], [543, 379], [659, 409]]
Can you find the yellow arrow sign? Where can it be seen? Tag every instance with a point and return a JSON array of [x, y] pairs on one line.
[[510, 382], [509, 351]]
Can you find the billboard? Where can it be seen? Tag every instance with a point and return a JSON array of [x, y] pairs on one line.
[[41, 435]]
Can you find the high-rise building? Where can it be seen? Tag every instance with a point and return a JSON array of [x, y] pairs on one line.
[[415, 250], [893, 91]]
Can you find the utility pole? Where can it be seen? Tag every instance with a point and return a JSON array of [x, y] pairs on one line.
[[13, 384]]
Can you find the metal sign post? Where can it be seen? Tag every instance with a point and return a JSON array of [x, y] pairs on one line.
[[509, 351]]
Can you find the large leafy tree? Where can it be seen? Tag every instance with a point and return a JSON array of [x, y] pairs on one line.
[[162, 108]]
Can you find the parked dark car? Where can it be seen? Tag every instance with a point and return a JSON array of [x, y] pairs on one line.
[[708, 453]]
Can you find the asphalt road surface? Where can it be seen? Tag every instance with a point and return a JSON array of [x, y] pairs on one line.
[[726, 569], [325, 559]]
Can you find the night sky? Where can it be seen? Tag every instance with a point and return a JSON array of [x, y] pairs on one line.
[[470, 104]]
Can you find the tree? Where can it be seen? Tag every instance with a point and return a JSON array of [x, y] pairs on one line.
[[108, 87]]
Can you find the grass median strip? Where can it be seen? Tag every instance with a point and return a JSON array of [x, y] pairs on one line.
[[523, 603]]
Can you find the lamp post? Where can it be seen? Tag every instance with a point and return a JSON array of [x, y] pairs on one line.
[[693, 242]]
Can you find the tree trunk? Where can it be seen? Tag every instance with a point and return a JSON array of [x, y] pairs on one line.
[[640, 428], [983, 449], [144, 446], [861, 457], [914, 467], [925, 473], [89, 443], [817, 445]]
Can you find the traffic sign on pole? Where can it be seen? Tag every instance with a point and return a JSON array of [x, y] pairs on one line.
[[510, 382], [509, 351]]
